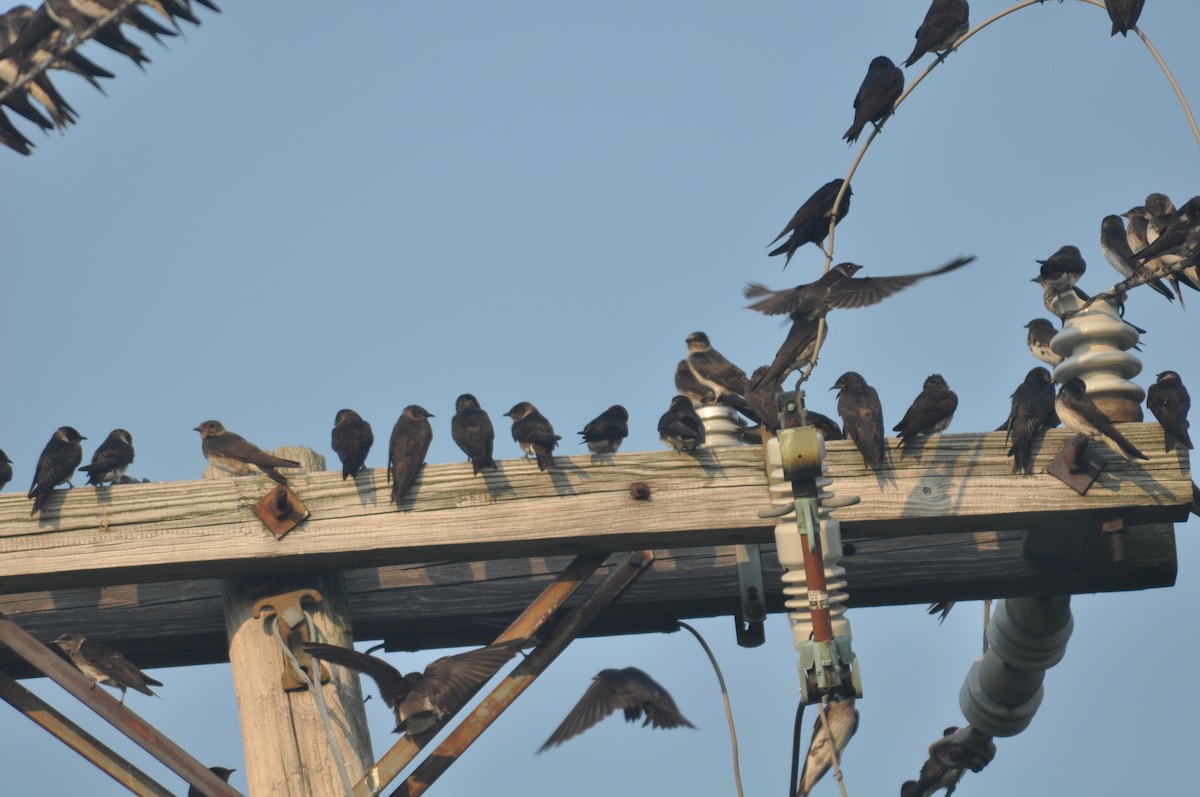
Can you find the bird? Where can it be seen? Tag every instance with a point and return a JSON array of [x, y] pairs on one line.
[[111, 459], [604, 433], [1168, 399], [945, 23], [931, 411], [862, 416], [1136, 235], [12, 138], [761, 399], [876, 97], [351, 439], [843, 722], [1032, 411], [1124, 14], [534, 433], [422, 700], [680, 427], [1041, 332], [1062, 269], [1079, 413], [39, 88], [828, 428], [58, 461], [221, 772], [714, 371], [6, 472], [1177, 234], [407, 448], [810, 222], [629, 689], [1114, 245], [471, 428], [941, 609], [687, 384], [42, 52], [797, 351], [236, 455], [105, 665]]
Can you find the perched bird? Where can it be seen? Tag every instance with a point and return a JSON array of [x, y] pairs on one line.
[[604, 433], [1178, 234], [111, 459], [862, 416], [104, 665], [628, 689], [688, 385], [810, 223], [407, 448], [1062, 269], [714, 371], [761, 399], [1114, 244], [931, 411], [680, 427], [1136, 232], [945, 23], [235, 454], [422, 700], [876, 97], [58, 461], [1052, 297], [351, 440], [39, 88], [935, 776], [221, 772], [1124, 14], [1168, 399], [5, 469], [796, 352], [534, 433], [1079, 413], [843, 722], [13, 138], [1032, 411], [42, 51], [828, 428], [1041, 332], [471, 428]]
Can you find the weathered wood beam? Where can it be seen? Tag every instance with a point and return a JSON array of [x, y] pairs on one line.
[[468, 603], [200, 529]]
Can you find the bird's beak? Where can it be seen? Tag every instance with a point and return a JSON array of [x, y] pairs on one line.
[[196, 429], [1035, 279]]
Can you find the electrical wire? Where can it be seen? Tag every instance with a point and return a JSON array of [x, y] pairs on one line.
[[737, 770]]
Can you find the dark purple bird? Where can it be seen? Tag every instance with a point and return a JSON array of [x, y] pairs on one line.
[[810, 223], [629, 690], [1032, 411], [1168, 399], [111, 459], [876, 97], [1124, 14], [407, 448], [945, 23], [862, 416], [58, 461], [471, 428], [931, 412], [351, 440]]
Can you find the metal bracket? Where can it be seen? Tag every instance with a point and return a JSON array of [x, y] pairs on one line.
[[1073, 467], [749, 624], [293, 628], [280, 511], [1116, 528]]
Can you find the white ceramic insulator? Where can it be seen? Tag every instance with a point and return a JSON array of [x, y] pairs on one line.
[[1003, 689], [722, 425], [1095, 344]]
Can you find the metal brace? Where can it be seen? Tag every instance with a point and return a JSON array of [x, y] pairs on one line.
[[293, 628], [280, 510]]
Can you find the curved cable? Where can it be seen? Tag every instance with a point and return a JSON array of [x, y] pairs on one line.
[[737, 770]]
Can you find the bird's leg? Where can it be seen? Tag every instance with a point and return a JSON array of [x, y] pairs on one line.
[[122, 695]]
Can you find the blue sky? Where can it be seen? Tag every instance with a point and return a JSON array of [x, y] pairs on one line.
[[539, 201]]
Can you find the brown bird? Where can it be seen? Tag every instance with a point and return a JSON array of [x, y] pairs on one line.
[[471, 428], [876, 97], [714, 371], [422, 700], [351, 439], [1079, 413], [931, 411], [810, 222], [843, 721], [687, 384], [234, 454], [862, 416], [1168, 399], [534, 433], [1032, 411], [407, 448], [104, 665], [628, 689], [58, 461], [945, 23]]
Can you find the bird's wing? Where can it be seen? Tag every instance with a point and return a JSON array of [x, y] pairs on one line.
[[866, 291], [450, 679], [389, 680]]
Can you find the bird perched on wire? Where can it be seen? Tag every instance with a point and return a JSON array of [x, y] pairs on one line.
[[680, 427], [807, 304], [1178, 235], [810, 222], [471, 428], [111, 459], [423, 700], [945, 22], [862, 416], [407, 448], [39, 88], [1114, 245], [534, 433], [1041, 332], [1079, 413], [931, 411], [1124, 14], [1168, 399], [351, 439], [57, 463], [629, 689], [712, 369], [105, 665], [843, 722], [236, 455], [605, 433], [1032, 411], [221, 772], [6, 472], [43, 52], [876, 97]]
